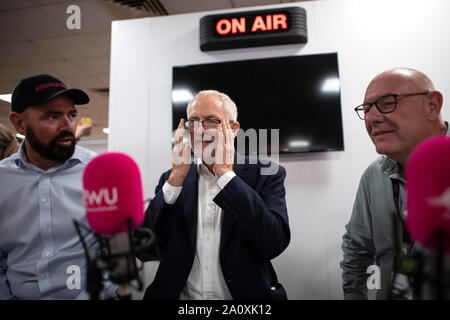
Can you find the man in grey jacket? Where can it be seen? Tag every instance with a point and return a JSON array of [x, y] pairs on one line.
[[401, 109]]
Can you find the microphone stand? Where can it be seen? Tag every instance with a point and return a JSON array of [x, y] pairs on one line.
[[117, 256], [94, 284], [432, 282], [396, 260], [441, 235]]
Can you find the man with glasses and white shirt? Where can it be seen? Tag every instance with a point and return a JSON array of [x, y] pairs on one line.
[[401, 109], [218, 222]]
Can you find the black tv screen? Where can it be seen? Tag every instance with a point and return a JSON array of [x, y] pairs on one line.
[[299, 95]]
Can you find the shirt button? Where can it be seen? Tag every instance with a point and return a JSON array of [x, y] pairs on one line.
[[46, 228], [46, 253], [42, 275], [206, 268], [44, 200]]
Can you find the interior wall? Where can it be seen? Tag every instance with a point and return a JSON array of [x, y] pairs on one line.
[[369, 36]]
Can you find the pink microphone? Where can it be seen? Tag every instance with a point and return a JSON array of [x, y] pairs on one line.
[[428, 195], [113, 199], [113, 193]]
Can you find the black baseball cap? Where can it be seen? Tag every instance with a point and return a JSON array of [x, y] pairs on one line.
[[41, 88]]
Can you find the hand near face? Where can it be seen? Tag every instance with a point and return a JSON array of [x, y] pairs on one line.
[[224, 149], [181, 158], [83, 130]]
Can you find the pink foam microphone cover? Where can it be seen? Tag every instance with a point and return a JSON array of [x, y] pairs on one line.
[[112, 193], [428, 192]]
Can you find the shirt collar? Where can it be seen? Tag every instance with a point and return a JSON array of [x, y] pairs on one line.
[[391, 168], [21, 160], [203, 170]]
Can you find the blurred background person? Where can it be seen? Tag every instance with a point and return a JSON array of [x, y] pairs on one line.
[[8, 142], [84, 128]]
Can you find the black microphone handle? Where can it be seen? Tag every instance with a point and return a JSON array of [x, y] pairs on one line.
[[440, 288]]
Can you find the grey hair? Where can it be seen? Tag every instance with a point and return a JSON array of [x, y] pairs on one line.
[[230, 106]]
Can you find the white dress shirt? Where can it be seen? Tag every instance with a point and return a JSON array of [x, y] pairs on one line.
[[205, 281]]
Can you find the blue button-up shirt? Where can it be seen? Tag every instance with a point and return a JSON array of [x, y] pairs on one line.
[[41, 256]]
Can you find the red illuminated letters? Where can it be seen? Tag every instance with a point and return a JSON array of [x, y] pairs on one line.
[[279, 20], [238, 25], [273, 22], [258, 24], [224, 26], [220, 27]]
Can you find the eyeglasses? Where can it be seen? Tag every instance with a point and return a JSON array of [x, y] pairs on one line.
[[207, 124], [385, 104]]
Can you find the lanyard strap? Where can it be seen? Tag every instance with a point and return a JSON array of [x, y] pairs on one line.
[[396, 192]]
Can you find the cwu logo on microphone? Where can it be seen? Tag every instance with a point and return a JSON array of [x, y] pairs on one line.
[[105, 199]]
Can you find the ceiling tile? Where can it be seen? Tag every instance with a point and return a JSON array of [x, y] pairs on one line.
[[14, 4], [20, 71], [177, 6], [24, 53], [77, 67], [97, 65], [43, 2], [33, 23], [7, 86], [104, 78], [83, 45], [84, 83], [9, 36], [254, 3]]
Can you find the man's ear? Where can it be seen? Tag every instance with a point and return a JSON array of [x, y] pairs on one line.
[[18, 122], [235, 126], [435, 104]]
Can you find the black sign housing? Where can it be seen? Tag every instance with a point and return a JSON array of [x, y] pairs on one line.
[[253, 28]]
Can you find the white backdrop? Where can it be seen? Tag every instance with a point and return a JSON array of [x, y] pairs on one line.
[[369, 36]]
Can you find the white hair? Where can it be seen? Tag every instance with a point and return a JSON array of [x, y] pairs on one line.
[[230, 106]]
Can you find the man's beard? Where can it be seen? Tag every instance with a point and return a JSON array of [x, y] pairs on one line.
[[52, 151]]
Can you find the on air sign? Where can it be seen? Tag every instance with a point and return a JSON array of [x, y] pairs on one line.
[[253, 28], [260, 23]]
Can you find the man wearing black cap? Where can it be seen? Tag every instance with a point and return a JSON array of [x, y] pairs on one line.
[[41, 256], [43, 110]]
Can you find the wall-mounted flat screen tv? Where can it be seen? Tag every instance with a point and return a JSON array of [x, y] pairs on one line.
[[299, 95]]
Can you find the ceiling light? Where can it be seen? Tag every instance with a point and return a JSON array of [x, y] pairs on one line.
[[6, 97]]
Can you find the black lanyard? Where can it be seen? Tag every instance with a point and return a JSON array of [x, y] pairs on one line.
[[406, 238]]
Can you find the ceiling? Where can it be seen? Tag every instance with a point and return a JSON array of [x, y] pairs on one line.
[[34, 39]]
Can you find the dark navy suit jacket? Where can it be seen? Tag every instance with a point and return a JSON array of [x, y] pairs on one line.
[[255, 229]]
